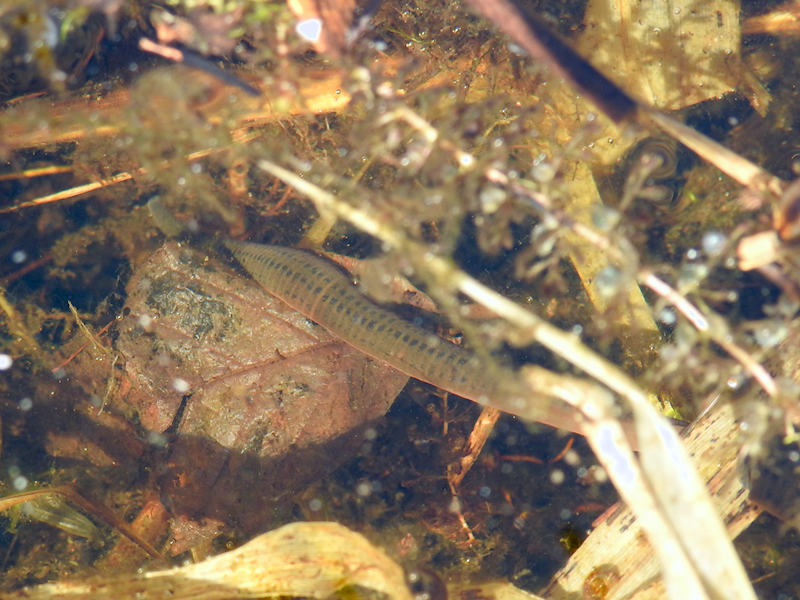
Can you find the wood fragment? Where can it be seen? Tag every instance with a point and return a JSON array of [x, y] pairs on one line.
[[618, 542]]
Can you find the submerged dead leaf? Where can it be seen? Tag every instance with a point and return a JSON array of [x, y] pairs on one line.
[[261, 398], [310, 560]]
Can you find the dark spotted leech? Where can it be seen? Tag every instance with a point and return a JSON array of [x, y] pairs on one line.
[[319, 290]]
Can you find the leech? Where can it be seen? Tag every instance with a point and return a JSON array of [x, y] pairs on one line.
[[319, 290]]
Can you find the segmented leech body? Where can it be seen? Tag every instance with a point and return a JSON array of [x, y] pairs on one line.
[[319, 290]]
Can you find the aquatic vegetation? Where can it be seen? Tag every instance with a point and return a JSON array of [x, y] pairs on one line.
[[619, 268]]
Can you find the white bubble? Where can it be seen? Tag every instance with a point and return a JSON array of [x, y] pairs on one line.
[[605, 218], [19, 256], [485, 491], [572, 458], [180, 385], [491, 198], [557, 476], [713, 243], [25, 404], [693, 274], [145, 321], [667, 316], [315, 504], [735, 382], [608, 281], [157, 439], [5, 362], [363, 489], [543, 172], [20, 483], [599, 474], [565, 514], [769, 333]]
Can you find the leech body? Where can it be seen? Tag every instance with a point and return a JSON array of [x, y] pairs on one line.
[[318, 289]]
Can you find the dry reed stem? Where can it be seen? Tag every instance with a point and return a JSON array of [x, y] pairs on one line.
[[665, 460]]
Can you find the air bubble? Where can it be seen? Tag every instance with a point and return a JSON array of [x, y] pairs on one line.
[[693, 274], [491, 198], [604, 217], [180, 385], [608, 281], [667, 316], [159, 440], [543, 172], [713, 243], [599, 474], [572, 458], [735, 382], [310, 29], [770, 333]]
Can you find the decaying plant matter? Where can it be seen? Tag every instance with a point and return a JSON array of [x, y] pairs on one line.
[[616, 266]]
